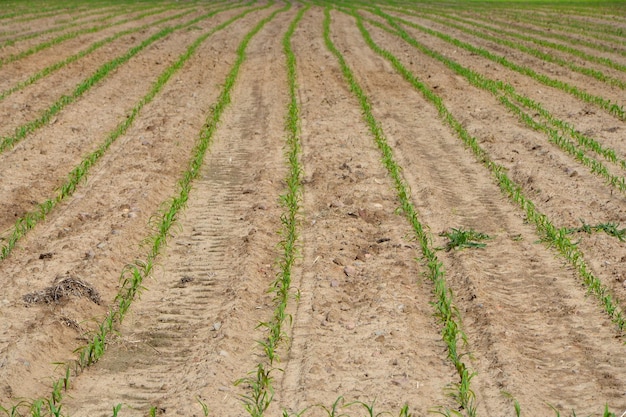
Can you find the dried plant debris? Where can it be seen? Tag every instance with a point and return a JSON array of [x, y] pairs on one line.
[[61, 289]]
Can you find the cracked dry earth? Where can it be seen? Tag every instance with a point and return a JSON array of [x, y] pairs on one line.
[[362, 325]]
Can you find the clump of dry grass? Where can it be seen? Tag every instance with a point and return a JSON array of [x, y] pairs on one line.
[[63, 288]]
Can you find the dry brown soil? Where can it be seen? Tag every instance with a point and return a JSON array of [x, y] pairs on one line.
[[363, 325]]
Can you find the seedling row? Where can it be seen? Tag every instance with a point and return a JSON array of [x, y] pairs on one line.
[[392, 187]]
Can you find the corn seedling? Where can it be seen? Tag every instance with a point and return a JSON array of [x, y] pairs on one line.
[[516, 405], [79, 173], [544, 226], [446, 311], [205, 408], [116, 409]]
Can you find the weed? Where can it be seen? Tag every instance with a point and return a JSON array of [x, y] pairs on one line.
[[459, 239]]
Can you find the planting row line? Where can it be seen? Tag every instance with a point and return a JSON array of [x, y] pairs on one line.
[[79, 173], [61, 25], [559, 132], [614, 108], [556, 236], [543, 224], [450, 20], [133, 275], [91, 48], [525, 26], [74, 34], [503, 28]]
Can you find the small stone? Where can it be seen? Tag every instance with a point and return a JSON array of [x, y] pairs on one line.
[[217, 325], [349, 325], [349, 271], [336, 204], [334, 283], [223, 353], [101, 245]]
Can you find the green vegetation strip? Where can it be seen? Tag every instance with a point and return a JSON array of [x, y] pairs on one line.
[[551, 126], [553, 35], [557, 46], [259, 381], [133, 274], [79, 173], [66, 36], [612, 108], [598, 75], [569, 24], [446, 312], [555, 236], [31, 35], [96, 45], [22, 131]]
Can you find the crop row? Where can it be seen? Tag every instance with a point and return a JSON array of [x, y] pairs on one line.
[[260, 380], [133, 275], [556, 236], [79, 173]]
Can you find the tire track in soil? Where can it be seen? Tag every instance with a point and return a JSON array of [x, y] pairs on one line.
[[559, 186], [363, 328], [531, 329], [95, 233], [196, 323], [39, 164]]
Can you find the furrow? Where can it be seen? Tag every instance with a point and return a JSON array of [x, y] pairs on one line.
[[196, 322], [528, 297]]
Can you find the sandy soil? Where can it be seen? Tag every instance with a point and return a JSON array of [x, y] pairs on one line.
[[362, 327]]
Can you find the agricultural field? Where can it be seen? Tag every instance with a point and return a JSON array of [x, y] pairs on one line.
[[312, 208]]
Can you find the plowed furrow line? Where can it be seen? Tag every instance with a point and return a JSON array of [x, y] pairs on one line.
[[73, 125], [358, 285], [527, 297], [42, 29], [523, 153], [103, 224], [590, 92], [16, 79], [201, 311]]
